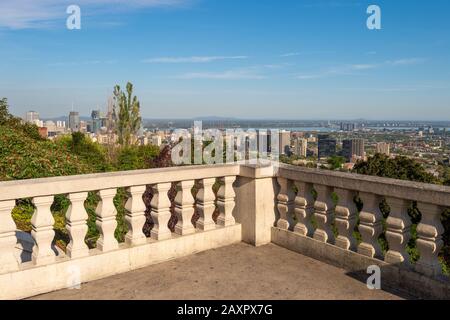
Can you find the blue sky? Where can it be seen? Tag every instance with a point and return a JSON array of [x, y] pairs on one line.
[[302, 59]]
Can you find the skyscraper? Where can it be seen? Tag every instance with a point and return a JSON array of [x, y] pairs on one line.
[[326, 146], [353, 147], [74, 121], [301, 146], [96, 121]]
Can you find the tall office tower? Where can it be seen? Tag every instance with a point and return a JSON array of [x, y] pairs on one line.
[[32, 116], [326, 146], [383, 148], [301, 146], [96, 121], [74, 121], [353, 147], [285, 142]]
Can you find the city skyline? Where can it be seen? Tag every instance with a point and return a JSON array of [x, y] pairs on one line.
[[308, 60]]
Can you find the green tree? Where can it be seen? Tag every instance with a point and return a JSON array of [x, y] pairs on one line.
[[336, 162], [397, 168], [129, 119]]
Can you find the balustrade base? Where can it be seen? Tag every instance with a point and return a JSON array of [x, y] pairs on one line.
[[32, 280]]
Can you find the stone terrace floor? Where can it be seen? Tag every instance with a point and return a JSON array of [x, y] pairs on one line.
[[238, 272]]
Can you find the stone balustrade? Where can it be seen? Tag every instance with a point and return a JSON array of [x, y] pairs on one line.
[[342, 214], [253, 202]]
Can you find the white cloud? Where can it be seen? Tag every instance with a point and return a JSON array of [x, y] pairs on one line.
[[355, 69], [405, 62], [290, 54], [25, 14], [195, 59], [236, 74]]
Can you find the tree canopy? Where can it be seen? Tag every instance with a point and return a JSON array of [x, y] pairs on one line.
[[397, 168]]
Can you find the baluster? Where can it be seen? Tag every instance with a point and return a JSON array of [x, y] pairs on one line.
[[76, 218], [429, 242], [42, 231], [285, 204], [8, 240], [370, 225], [106, 220], [184, 208], [205, 205], [304, 208], [398, 231], [160, 205], [135, 216], [225, 201], [323, 212], [346, 214]]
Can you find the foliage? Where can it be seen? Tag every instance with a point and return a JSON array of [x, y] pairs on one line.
[[92, 153], [22, 157], [129, 119], [398, 168], [336, 162], [7, 119], [136, 157]]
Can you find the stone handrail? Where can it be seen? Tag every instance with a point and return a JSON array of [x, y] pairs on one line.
[[18, 189]]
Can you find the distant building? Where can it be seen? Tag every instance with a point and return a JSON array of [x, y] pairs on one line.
[[300, 147], [83, 126], [31, 116], [353, 148], [285, 142], [74, 121], [383, 148], [96, 123], [264, 141], [326, 146], [348, 126]]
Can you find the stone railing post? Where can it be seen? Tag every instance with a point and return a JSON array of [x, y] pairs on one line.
[[323, 212], [285, 204], [135, 216], [429, 242], [8, 261], [76, 225], [304, 208], [398, 231], [184, 208], [160, 205], [225, 201], [205, 204], [256, 203], [42, 231], [370, 225], [106, 220], [346, 215]]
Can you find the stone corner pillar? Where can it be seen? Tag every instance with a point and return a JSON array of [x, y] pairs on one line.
[[256, 209]]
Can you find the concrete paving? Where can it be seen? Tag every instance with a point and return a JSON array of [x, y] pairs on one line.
[[239, 271]]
